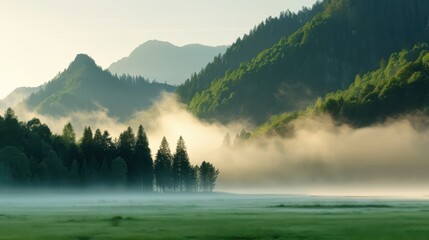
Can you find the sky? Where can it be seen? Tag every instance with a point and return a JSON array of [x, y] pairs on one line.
[[40, 38]]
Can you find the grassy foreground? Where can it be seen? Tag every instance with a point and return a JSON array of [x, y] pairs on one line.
[[212, 217]]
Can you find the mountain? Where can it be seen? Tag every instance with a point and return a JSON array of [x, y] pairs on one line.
[[347, 38], [263, 36], [398, 87], [166, 62], [18, 95], [84, 86]]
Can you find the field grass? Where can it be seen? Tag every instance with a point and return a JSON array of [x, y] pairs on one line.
[[216, 216]]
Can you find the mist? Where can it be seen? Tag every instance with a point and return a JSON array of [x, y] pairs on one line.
[[321, 158]]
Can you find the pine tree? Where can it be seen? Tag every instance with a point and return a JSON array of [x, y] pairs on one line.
[[99, 148], [126, 147], [162, 168], [181, 169], [86, 148], [144, 161]]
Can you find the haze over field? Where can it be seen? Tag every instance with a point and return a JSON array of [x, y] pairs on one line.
[[321, 157]]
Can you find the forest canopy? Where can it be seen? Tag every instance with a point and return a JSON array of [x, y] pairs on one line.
[[31, 155]]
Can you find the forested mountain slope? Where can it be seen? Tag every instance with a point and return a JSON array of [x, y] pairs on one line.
[[399, 87], [261, 37], [84, 86], [349, 37]]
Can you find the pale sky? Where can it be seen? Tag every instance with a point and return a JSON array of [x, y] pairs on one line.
[[40, 38]]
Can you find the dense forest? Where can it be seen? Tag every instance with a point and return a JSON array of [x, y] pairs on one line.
[[84, 86], [346, 38], [244, 49], [398, 87], [31, 155]]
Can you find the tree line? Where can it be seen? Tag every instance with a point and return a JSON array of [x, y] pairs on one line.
[[31, 155]]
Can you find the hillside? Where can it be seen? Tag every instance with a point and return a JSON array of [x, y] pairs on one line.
[[166, 62], [247, 47], [399, 87], [349, 37], [18, 95], [84, 86]]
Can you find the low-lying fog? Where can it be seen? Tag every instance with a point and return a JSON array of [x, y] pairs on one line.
[[322, 158]]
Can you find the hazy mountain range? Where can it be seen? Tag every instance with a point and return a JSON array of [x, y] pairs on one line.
[[84, 86], [17, 96], [283, 65], [166, 62]]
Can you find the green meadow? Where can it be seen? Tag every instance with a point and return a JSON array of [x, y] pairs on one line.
[[211, 216]]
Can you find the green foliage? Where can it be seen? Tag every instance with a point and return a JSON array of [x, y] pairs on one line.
[[244, 49], [30, 155], [277, 125], [119, 171], [346, 38], [126, 147], [69, 135], [144, 162], [181, 171], [400, 87], [162, 167], [15, 166], [208, 175]]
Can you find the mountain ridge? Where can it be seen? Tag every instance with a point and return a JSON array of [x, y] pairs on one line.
[[165, 61], [85, 86], [348, 37]]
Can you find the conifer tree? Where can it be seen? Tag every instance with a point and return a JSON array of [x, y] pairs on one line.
[[144, 162], [163, 166], [181, 169], [126, 147]]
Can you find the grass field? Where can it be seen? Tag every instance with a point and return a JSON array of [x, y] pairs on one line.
[[215, 216]]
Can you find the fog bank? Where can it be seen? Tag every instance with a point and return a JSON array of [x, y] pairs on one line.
[[321, 158]]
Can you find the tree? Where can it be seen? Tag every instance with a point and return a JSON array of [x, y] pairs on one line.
[[16, 164], [208, 175], [69, 135], [144, 161], [227, 141], [163, 166], [126, 147], [242, 137], [86, 143], [87, 151], [119, 171], [11, 133], [181, 168], [75, 173], [54, 168], [100, 147], [65, 145]]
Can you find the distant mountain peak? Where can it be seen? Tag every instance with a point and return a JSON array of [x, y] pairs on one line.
[[165, 61], [82, 59]]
